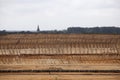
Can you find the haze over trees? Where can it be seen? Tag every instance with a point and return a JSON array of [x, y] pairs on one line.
[[77, 30], [96, 30]]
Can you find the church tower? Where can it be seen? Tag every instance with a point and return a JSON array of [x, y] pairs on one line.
[[38, 29]]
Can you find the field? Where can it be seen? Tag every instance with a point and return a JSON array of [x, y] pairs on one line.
[[59, 57], [60, 77]]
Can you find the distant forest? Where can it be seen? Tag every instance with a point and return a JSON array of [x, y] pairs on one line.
[[77, 30], [94, 30]]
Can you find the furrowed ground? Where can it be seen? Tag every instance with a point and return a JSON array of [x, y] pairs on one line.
[[59, 57]]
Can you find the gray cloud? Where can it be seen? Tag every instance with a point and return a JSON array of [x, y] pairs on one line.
[[58, 14]]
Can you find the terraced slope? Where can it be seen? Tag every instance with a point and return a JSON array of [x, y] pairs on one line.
[[63, 53]]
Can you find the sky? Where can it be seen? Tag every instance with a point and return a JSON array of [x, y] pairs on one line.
[[58, 14]]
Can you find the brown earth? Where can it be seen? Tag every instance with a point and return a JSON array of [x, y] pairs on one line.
[[60, 77], [59, 52]]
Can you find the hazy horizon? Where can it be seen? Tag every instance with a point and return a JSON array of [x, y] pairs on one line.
[[11, 30], [58, 14]]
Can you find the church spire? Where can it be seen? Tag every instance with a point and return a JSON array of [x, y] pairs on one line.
[[38, 28]]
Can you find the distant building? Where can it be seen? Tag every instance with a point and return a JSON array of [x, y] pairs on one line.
[[38, 29]]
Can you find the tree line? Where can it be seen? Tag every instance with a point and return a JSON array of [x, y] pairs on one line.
[[76, 30]]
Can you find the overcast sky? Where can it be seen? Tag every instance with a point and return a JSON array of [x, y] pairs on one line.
[[58, 14]]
